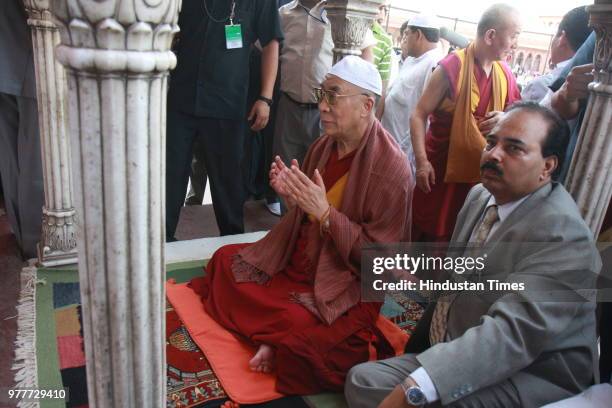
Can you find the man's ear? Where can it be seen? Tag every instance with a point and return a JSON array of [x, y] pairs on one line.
[[563, 40], [490, 36], [369, 106], [550, 165]]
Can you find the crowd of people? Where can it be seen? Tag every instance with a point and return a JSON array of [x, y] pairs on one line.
[[446, 153]]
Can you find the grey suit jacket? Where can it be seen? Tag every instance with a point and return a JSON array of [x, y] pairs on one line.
[[16, 62], [547, 349]]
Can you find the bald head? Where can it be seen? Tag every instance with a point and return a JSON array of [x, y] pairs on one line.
[[498, 17], [498, 32]]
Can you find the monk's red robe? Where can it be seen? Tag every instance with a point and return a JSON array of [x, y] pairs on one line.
[[310, 355], [434, 214]]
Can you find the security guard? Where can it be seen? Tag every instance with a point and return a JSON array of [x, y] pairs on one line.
[[207, 100]]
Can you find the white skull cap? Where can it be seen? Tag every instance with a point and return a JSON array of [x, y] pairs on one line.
[[358, 72], [424, 21]]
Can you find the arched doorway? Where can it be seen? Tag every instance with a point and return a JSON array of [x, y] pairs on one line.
[[518, 63], [536, 63], [528, 61]]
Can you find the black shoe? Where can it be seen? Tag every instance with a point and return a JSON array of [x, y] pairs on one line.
[[193, 200]]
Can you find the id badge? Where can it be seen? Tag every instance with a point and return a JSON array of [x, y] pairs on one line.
[[233, 36]]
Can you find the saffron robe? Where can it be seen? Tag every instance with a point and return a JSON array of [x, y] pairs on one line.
[[312, 355], [434, 214]]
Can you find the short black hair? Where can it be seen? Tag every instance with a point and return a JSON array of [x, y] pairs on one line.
[[403, 28], [493, 17], [431, 34], [557, 138], [575, 23]]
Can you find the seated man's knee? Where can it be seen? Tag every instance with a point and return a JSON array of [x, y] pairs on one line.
[[358, 385], [359, 374]]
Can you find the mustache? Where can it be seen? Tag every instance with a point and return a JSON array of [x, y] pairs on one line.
[[492, 166]]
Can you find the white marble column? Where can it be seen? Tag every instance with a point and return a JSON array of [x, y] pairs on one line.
[[590, 176], [350, 20], [57, 245], [117, 57]]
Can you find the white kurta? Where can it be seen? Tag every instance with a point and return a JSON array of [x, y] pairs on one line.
[[403, 95]]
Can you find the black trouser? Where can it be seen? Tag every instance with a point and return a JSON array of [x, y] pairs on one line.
[[21, 169], [605, 333], [258, 145], [222, 140]]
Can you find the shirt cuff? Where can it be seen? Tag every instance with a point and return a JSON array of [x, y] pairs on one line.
[[424, 382]]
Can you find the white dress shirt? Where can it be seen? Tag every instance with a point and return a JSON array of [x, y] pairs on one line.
[[403, 96], [306, 52], [503, 211], [420, 375]]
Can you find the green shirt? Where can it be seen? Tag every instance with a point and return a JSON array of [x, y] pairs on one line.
[[382, 51]]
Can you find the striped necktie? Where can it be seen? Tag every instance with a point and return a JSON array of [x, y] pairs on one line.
[[437, 330]]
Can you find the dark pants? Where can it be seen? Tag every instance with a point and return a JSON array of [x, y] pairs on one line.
[[198, 175], [21, 169], [258, 145], [222, 142], [604, 285], [605, 333]]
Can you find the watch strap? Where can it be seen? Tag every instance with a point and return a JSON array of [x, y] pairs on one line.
[[266, 100]]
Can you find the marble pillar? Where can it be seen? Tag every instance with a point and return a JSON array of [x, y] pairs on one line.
[[590, 176], [58, 243], [117, 58], [350, 20]]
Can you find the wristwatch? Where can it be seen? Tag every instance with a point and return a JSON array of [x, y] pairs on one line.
[[266, 100], [414, 395]]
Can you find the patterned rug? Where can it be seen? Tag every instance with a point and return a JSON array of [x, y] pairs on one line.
[[190, 380]]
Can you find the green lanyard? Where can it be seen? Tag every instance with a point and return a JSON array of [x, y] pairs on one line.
[[223, 20], [233, 32]]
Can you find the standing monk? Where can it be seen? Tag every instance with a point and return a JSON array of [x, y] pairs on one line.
[[296, 293], [464, 99]]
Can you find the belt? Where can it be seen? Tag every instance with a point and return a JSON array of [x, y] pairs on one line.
[[302, 105]]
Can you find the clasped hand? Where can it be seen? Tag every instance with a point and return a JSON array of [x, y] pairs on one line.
[[295, 188], [490, 120]]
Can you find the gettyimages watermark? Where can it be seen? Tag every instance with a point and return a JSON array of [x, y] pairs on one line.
[[524, 271]]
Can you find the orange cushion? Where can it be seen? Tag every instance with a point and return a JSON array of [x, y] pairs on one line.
[[228, 356]]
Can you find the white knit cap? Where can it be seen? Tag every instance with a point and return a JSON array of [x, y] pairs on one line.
[[424, 21], [358, 72]]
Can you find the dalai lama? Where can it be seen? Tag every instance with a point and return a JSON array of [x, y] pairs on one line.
[[295, 294]]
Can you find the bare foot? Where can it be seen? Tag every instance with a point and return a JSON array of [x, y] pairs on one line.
[[263, 360]]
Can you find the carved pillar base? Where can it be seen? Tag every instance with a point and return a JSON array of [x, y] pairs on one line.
[[57, 245], [350, 20], [590, 176], [117, 56]]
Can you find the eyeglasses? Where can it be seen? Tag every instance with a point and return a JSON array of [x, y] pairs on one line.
[[331, 97]]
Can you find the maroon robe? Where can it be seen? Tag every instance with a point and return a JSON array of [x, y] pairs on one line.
[[311, 356], [434, 214]]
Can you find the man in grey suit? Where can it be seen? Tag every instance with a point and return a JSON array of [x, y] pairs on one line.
[[523, 348], [20, 160]]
